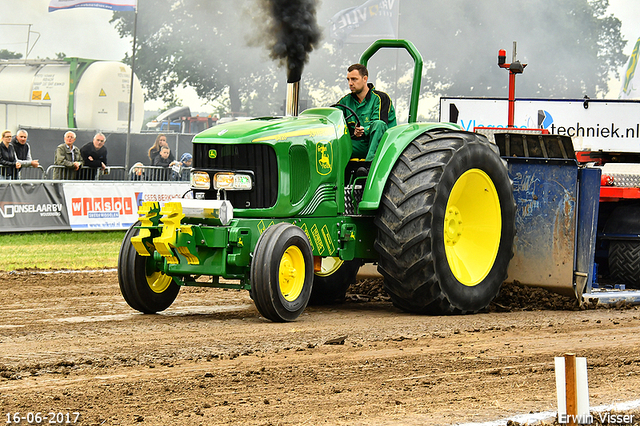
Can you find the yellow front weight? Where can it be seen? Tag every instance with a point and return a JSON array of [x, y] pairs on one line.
[[171, 217], [149, 211]]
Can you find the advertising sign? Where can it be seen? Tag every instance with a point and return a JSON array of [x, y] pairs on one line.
[[607, 125], [108, 206], [32, 206]]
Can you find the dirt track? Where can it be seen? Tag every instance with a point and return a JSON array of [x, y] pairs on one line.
[[69, 343]]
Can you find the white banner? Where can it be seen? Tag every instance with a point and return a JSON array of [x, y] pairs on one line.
[[366, 23], [607, 125], [120, 5], [108, 206]]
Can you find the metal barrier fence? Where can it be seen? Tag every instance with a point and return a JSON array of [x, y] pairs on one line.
[[86, 173], [156, 173], [22, 173], [111, 173]]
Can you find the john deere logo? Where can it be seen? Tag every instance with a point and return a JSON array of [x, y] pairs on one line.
[[213, 153], [324, 158]]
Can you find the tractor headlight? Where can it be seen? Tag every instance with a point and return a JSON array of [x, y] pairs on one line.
[[232, 181], [220, 211], [200, 180]]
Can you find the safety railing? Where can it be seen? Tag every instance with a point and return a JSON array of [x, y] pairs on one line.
[[111, 173], [23, 173], [57, 172], [156, 173]]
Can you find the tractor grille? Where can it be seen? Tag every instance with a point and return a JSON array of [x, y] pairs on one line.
[[259, 159], [299, 160]]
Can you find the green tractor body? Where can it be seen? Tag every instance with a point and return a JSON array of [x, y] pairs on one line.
[[279, 208]]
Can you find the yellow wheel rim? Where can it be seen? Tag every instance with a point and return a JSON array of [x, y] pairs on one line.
[[329, 266], [158, 282], [291, 273], [472, 227]]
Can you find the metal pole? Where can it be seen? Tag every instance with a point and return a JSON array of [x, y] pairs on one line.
[[26, 54], [571, 391], [133, 70]]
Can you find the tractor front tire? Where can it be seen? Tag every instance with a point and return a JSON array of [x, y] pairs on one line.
[[282, 272], [446, 224], [330, 284], [624, 262], [143, 286]]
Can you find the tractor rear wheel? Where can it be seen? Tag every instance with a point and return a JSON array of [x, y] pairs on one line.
[[144, 287], [624, 262], [282, 272], [446, 224], [330, 284]]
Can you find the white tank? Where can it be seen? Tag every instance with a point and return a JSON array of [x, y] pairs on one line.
[[101, 95], [102, 98], [50, 85]]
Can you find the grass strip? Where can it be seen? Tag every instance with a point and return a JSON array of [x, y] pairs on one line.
[[60, 250]]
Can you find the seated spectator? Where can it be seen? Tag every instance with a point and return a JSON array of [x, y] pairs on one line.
[[138, 171], [182, 170], [161, 140], [94, 154], [8, 159], [164, 160], [68, 156], [23, 150]]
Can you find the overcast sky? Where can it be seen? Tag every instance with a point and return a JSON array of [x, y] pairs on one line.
[[87, 33]]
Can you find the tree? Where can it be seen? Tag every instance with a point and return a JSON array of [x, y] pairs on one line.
[[202, 44], [571, 47], [7, 54]]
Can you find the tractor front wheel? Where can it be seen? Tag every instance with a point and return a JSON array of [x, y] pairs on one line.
[[144, 287], [282, 272]]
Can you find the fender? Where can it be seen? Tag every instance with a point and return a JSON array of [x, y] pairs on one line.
[[392, 145]]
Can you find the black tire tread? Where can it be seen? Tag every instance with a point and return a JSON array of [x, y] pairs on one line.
[[624, 262], [404, 223], [133, 283]]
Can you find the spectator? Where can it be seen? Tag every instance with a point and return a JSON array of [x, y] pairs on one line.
[[23, 150], [182, 170], [137, 172], [68, 156], [94, 154], [164, 160], [8, 159], [161, 140]]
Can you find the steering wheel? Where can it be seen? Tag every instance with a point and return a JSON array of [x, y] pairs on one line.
[[352, 113]]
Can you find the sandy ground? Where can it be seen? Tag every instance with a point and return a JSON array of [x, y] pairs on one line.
[[70, 344]]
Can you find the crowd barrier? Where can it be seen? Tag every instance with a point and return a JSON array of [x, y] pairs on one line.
[[136, 172]]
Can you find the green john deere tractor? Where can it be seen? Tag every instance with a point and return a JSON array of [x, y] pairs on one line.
[[279, 209]]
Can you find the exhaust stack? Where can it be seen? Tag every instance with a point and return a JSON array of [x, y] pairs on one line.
[[293, 95]]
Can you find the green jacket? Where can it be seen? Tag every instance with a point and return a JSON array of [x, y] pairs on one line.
[[375, 106], [65, 157]]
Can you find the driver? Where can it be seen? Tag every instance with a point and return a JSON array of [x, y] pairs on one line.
[[374, 109]]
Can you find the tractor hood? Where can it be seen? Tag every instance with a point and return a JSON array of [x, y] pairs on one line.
[[275, 128]]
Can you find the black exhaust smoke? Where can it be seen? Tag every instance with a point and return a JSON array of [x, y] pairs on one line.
[[292, 33]]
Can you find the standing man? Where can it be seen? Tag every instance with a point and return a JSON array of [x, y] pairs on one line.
[[374, 109], [68, 156], [23, 150], [94, 154]]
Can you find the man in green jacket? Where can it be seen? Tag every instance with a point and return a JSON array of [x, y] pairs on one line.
[[68, 156], [374, 109]]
